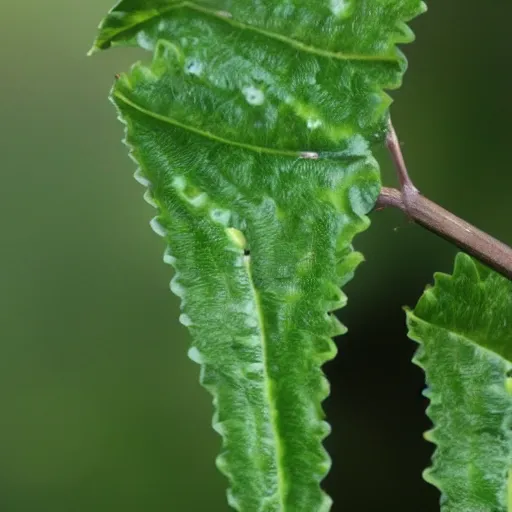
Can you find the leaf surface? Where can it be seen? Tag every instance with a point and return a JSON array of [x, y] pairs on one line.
[[252, 128], [464, 327]]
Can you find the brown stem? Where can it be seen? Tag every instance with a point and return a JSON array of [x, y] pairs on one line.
[[433, 217], [394, 148]]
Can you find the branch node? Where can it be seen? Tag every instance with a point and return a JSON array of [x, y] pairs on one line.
[[433, 217]]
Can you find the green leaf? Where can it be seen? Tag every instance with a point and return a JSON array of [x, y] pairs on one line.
[[252, 128], [464, 327]]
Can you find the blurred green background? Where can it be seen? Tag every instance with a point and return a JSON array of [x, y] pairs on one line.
[[100, 408]]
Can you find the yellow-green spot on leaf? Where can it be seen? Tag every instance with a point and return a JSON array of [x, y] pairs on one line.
[[166, 51], [237, 237], [192, 194], [508, 385], [338, 133]]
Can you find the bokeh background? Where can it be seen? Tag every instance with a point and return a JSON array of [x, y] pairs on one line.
[[100, 408]]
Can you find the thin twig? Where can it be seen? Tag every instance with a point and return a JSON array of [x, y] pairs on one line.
[[393, 145], [433, 217]]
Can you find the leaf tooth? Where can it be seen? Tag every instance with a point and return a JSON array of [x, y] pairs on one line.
[[139, 177], [195, 355], [148, 197], [176, 287], [157, 227], [336, 328], [168, 257]]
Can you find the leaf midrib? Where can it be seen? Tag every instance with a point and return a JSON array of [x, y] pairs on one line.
[[280, 476], [220, 15]]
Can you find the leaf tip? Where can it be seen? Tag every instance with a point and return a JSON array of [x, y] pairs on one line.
[[92, 50]]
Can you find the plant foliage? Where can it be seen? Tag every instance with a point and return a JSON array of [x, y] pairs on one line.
[[463, 325], [252, 128]]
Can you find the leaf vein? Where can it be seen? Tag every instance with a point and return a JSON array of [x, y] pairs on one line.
[[211, 136], [463, 337]]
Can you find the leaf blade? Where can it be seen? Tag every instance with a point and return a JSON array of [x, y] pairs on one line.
[[262, 176], [298, 348], [466, 361]]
